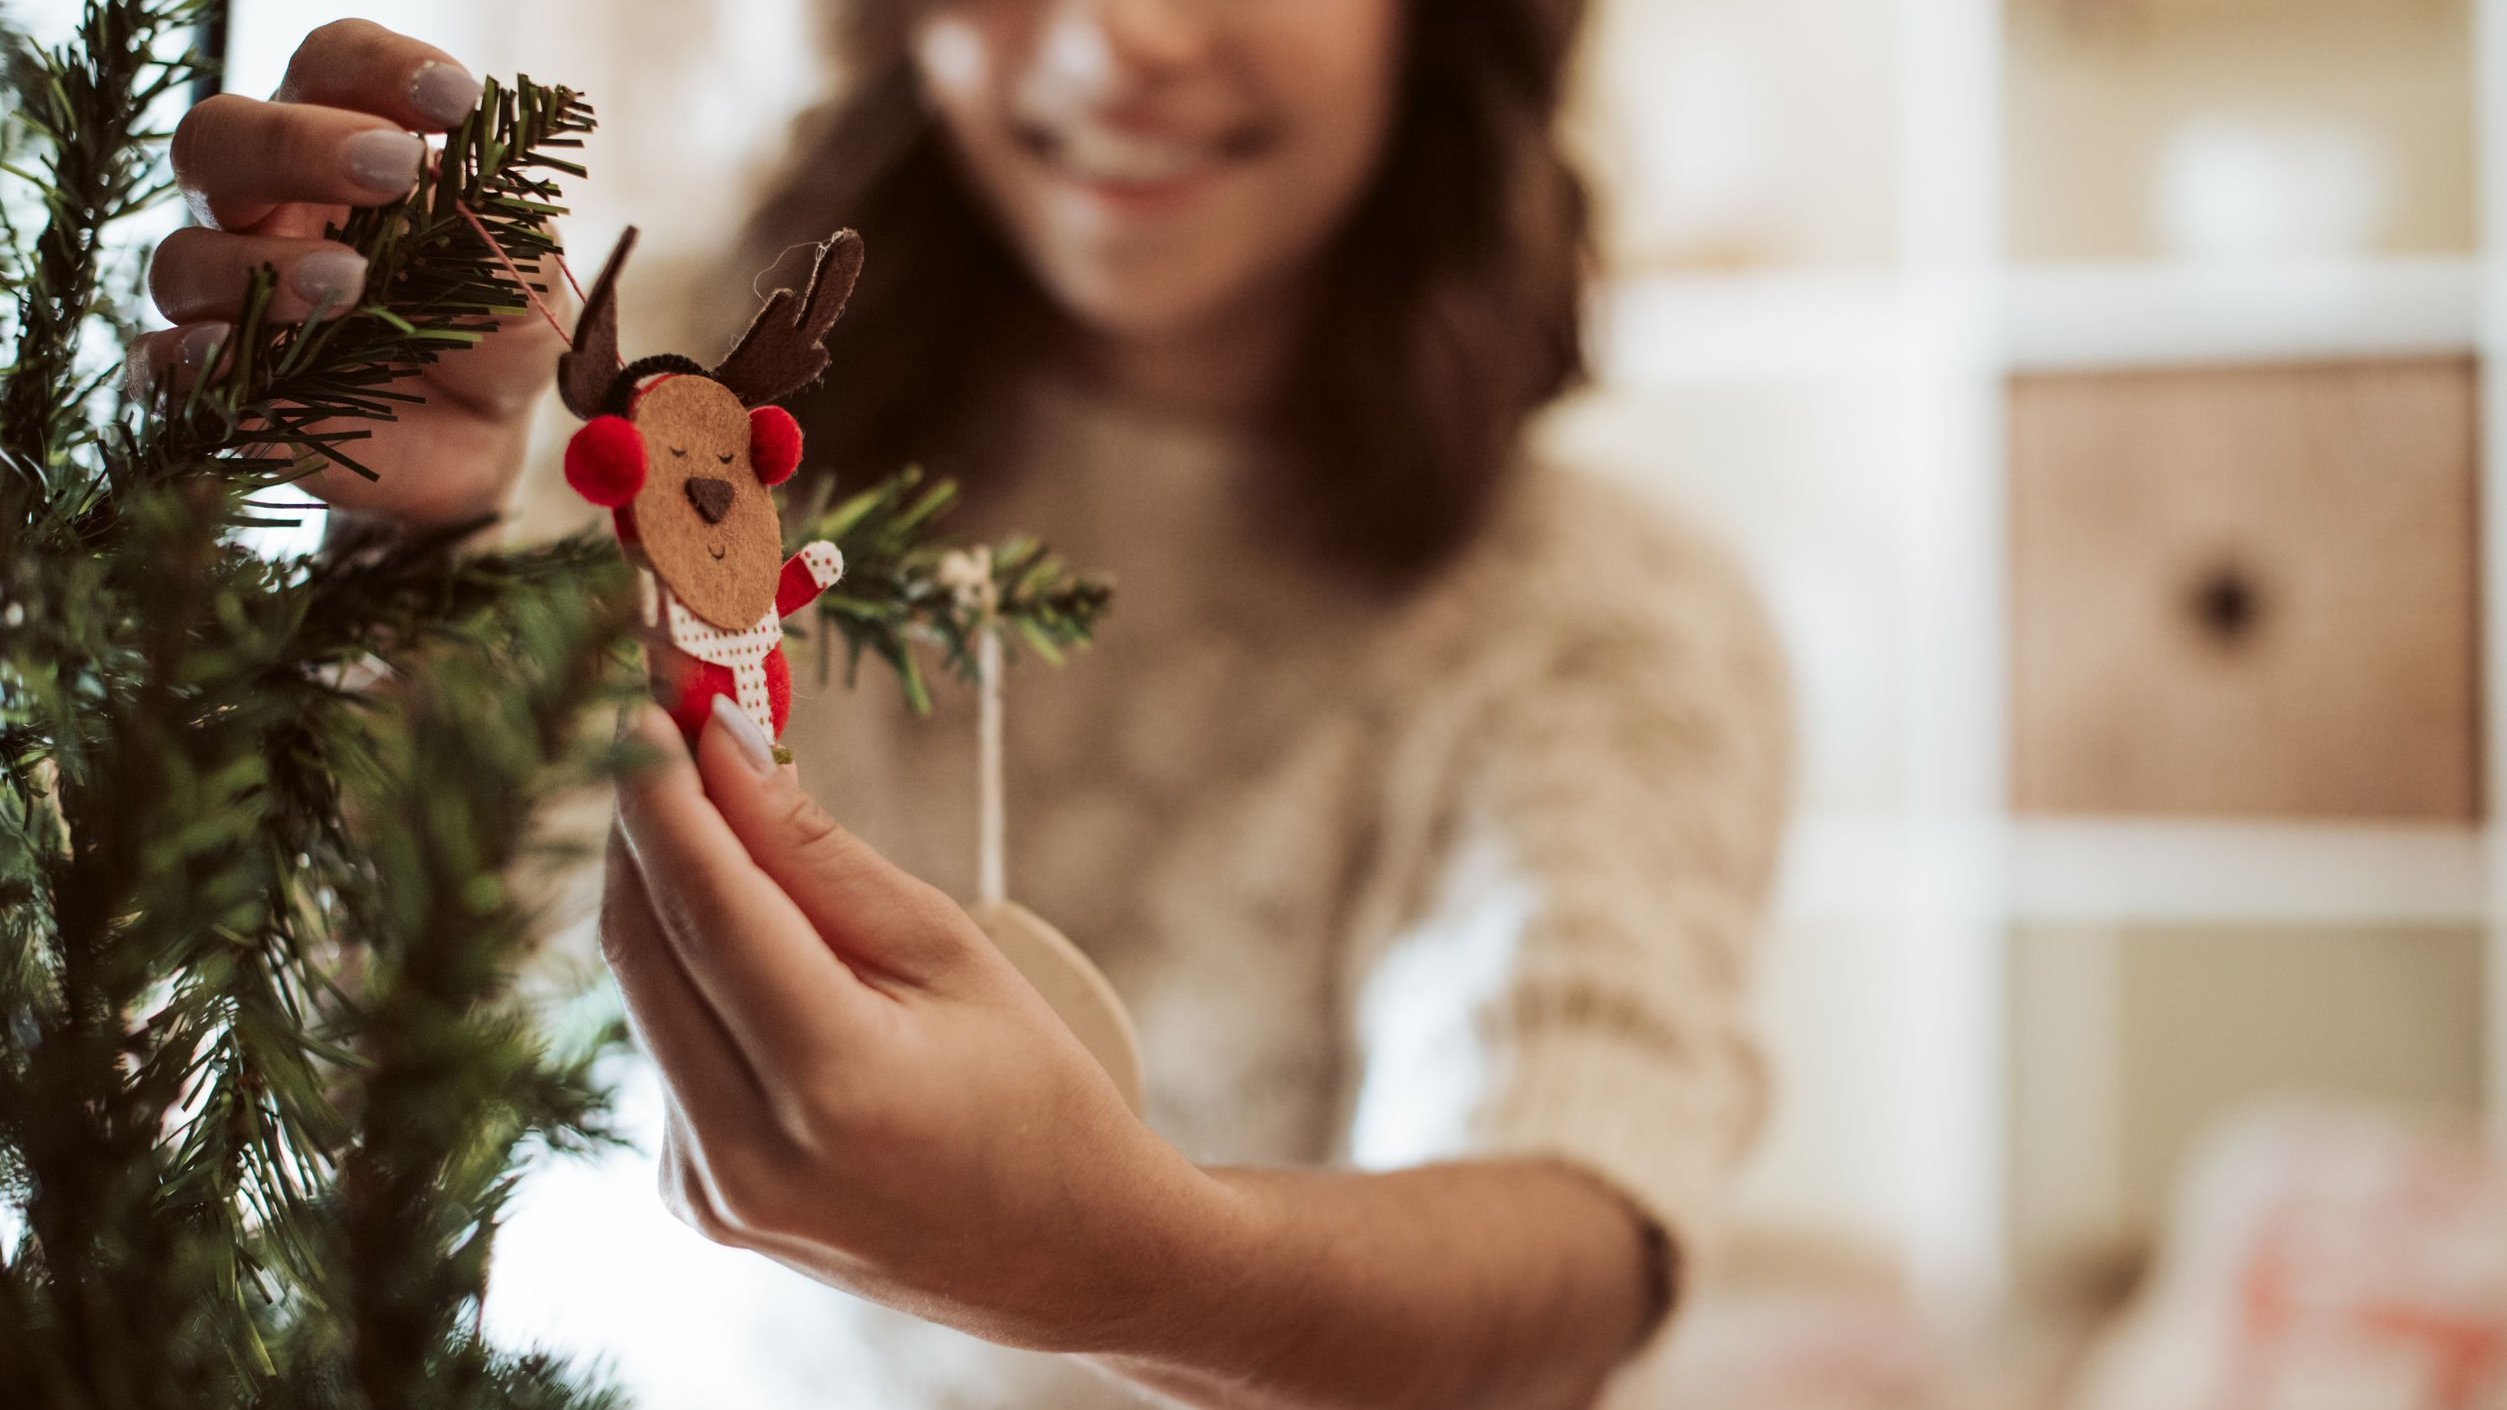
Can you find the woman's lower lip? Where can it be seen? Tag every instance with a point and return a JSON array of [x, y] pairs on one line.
[[1141, 197]]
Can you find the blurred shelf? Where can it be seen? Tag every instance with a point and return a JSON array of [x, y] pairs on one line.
[[2167, 871], [1856, 869], [2100, 316], [1868, 867], [1679, 329], [1703, 328], [1841, 867]]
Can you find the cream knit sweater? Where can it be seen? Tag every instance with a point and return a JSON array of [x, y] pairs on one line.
[[1471, 872]]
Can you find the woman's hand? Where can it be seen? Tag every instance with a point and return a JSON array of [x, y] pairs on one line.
[[265, 181], [861, 1087]]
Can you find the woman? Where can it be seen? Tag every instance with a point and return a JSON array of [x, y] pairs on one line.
[[1420, 803]]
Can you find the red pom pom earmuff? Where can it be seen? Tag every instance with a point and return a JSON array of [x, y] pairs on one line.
[[774, 444], [605, 461]]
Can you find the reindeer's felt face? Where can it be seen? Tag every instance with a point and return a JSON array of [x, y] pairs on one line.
[[690, 468], [705, 517]]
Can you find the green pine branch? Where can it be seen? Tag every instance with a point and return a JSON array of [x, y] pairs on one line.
[[892, 598], [88, 102], [454, 1074], [203, 754]]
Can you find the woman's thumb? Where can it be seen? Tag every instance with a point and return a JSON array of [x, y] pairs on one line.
[[873, 914]]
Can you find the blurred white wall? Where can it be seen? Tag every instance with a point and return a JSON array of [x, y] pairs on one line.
[[1742, 133]]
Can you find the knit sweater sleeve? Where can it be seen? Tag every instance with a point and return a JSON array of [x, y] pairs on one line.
[[1566, 978]]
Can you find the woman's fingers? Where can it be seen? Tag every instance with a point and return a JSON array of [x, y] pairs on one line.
[[173, 357], [200, 275], [685, 1037], [343, 132], [875, 914], [751, 953], [360, 65], [239, 160]]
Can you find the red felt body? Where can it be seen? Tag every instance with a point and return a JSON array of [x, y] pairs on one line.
[[690, 685], [698, 682]]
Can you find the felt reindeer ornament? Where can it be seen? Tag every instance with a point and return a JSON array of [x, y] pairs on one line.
[[686, 458]]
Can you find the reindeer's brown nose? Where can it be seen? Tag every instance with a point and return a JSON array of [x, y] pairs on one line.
[[711, 497]]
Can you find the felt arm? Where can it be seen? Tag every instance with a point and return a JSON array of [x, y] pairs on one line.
[[812, 571]]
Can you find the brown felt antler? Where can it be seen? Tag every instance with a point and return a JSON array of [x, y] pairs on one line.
[[785, 347], [587, 371]]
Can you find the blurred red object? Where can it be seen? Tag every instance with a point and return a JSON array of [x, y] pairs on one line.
[[2324, 1259]]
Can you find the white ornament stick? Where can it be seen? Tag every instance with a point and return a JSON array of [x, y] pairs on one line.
[[968, 573], [992, 882], [1059, 970]]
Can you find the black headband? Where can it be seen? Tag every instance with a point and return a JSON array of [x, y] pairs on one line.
[[622, 389]]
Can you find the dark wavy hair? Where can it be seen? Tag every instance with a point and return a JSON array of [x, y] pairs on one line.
[[1447, 308]]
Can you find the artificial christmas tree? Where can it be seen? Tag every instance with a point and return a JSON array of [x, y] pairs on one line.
[[267, 1074]]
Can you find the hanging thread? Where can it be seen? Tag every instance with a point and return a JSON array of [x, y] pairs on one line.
[[968, 574], [992, 881], [479, 227]]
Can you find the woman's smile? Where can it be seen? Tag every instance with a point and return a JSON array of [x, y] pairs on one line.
[[1137, 169]]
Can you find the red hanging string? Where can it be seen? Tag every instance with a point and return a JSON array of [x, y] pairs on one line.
[[479, 227], [562, 268]]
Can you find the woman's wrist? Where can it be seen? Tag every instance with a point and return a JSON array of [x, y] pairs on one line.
[[1479, 1283], [1172, 1270]]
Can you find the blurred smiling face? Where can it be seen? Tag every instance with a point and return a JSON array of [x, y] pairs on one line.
[[1160, 164]]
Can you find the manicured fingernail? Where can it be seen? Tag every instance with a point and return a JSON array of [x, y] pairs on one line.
[[756, 750], [201, 344], [443, 93], [385, 160], [329, 279]]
